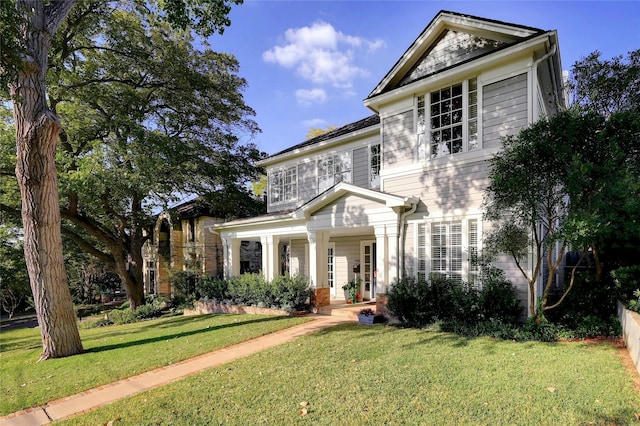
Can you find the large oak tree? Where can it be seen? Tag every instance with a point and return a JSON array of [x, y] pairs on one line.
[[28, 27]]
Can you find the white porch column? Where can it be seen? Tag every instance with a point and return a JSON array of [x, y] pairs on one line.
[[318, 243], [382, 281], [231, 257], [270, 256], [392, 254], [313, 258]]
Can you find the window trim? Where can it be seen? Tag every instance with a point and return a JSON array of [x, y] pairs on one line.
[[423, 120], [424, 251]]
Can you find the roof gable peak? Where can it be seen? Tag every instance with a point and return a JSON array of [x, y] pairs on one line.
[[449, 39]]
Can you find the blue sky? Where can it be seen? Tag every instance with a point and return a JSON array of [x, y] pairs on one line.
[[311, 63]]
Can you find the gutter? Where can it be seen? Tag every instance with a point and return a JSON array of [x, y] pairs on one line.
[[554, 49]]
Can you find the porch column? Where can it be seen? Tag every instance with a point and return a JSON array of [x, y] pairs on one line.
[[381, 273], [318, 243], [270, 256], [392, 254], [231, 254]]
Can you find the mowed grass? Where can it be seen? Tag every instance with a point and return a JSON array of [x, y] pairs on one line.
[[116, 352], [358, 375]]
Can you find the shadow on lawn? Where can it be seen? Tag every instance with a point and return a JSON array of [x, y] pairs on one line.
[[178, 335]]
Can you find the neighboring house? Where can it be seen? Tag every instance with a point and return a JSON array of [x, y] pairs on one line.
[[400, 192]]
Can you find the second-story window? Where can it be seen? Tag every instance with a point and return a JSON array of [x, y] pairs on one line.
[[283, 185], [333, 170], [376, 161], [447, 120]]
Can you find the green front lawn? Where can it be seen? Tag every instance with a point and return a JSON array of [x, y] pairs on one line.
[[116, 352], [366, 375]]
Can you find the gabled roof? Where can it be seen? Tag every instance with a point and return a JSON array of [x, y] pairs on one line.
[[451, 39], [343, 188], [372, 120]]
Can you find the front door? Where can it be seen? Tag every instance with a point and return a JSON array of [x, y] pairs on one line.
[[368, 262]]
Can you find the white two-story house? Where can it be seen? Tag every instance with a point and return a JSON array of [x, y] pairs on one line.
[[401, 191]]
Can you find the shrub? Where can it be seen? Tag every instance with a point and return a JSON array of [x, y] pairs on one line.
[[417, 302], [408, 300], [184, 284], [627, 284], [283, 292], [212, 288], [147, 311], [497, 299]]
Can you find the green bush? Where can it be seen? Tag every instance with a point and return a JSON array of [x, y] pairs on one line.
[[127, 316], [497, 298], [283, 292], [212, 288], [417, 302], [409, 301], [627, 284]]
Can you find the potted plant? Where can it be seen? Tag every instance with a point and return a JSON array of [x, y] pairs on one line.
[[368, 316], [351, 290]]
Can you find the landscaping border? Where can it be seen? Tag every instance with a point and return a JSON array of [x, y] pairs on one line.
[[208, 307], [630, 322]]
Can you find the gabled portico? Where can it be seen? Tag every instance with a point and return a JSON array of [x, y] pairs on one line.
[[342, 228]]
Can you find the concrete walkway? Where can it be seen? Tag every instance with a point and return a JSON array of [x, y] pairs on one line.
[[102, 395]]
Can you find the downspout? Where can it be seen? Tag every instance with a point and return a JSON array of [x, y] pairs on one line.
[[402, 236], [554, 48]]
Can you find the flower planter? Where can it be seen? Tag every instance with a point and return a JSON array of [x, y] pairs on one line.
[[371, 319]]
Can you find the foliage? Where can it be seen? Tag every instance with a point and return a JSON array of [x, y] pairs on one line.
[[213, 288], [283, 292], [316, 131], [352, 288], [572, 181], [627, 286], [147, 113], [15, 291], [124, 315], [607, 86], [418, 302]]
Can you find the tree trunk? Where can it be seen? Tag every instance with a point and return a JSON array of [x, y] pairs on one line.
[[37, 131]]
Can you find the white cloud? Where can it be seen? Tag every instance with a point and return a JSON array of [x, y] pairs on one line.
[[316, 123], [321, 54], [312, 96]]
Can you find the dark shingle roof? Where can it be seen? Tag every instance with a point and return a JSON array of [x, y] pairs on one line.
[[372, 120]]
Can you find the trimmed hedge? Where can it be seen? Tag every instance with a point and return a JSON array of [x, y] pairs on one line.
[[283, 292]]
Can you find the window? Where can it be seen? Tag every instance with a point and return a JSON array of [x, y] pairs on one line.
[[283, 185], [442, 250], [333, 170], [444, 124], [446, 249], [331, 268], [376, 161]]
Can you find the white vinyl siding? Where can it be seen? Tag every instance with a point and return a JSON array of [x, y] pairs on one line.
[[361, 167], [504, 109], [398, 139]]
